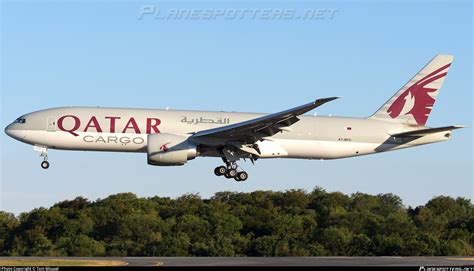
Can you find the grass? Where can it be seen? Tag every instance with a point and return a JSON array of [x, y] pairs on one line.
[[59, 262]]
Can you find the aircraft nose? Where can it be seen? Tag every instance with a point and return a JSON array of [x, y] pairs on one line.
[[8, 130]]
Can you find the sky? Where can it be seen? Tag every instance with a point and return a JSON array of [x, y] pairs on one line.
[[232, 56]]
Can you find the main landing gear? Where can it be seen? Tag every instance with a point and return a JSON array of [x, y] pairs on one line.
[[230, 171]]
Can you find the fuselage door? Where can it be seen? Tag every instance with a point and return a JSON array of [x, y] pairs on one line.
[[51, 124]]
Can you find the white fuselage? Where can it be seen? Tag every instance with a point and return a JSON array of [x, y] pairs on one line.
[[126, 130]]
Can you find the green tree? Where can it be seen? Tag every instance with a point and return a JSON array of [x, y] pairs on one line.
[[8, 223], [80, 246], [260, 223]]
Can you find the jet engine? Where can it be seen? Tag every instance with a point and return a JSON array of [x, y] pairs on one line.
[[169, 150]]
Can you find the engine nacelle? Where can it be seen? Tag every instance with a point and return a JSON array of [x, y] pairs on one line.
[[169, 150]]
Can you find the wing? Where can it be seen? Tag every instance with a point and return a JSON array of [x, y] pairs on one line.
[[253, 130]]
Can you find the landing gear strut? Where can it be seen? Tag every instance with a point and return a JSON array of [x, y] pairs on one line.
[[230, 171]]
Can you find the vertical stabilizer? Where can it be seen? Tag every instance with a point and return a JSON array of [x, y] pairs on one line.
[[412, 104]]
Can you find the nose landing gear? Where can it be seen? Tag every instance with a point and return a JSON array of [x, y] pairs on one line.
[[44, 154], [45, 164]]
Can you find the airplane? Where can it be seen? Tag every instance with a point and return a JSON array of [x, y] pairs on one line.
[[173, 137]]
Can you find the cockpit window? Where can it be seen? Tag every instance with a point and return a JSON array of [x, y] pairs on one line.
[[20, 120]]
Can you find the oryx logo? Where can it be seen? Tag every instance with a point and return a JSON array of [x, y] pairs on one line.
[[417, 100], [165, 148]]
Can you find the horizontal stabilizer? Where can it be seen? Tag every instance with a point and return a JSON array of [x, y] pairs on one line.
[[424, 132]]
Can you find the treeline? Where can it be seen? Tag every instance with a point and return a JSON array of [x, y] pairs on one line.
[[261, 223]]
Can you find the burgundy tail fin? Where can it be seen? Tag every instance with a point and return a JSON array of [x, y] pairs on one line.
[[412, 104]]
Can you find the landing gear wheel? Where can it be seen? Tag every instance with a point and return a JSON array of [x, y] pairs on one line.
[[231, 173], [219, 171], [45, 164], [241, 176]]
